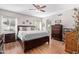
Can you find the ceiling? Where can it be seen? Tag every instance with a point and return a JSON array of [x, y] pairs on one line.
[[50, 9]]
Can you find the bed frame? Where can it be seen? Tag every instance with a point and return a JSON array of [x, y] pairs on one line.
[[33, 43]]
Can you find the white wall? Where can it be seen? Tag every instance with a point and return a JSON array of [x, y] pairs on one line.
[[67, 19], [20, 17]]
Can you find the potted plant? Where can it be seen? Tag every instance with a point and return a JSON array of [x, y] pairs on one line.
[[76, 17]]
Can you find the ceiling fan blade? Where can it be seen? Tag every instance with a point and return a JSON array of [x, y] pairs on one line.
[[37, 6], [31, 9], [42, 10], [43, 6], [34, 5]]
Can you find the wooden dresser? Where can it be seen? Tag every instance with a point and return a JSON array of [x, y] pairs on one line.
[[56, 32], [70, 42], [10, 37]]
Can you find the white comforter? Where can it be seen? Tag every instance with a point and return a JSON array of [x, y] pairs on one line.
[[29, 35]]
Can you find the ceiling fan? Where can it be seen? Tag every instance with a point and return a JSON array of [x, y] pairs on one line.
[[39, 7]]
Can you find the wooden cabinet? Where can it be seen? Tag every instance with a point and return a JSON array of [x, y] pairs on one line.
[[70, 42], [57, 32], [10, 37]]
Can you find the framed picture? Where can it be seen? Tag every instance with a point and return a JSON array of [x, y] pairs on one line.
[[57, 21]]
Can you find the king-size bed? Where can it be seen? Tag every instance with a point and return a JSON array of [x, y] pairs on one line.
[[32, 38]]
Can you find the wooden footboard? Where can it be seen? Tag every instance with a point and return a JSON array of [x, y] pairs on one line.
[[35, 42]]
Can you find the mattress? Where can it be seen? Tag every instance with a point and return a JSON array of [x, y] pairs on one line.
[[30, 35]]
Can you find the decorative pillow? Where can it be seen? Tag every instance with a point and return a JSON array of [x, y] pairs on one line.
[[24, 29], [20, 29], [32, 28], [28, 28]]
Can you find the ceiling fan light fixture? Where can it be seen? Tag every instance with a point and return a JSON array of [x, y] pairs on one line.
[[38, 11]]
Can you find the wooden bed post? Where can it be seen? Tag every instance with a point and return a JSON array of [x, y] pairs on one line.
[[50, 41]]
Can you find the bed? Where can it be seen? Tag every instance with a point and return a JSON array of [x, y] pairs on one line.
[[32, 38]]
